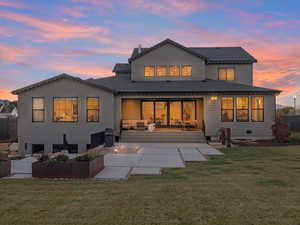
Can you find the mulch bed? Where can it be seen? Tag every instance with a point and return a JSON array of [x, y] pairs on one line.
[[258, 143]]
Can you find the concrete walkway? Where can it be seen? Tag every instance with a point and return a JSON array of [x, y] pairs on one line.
[[152, 157], [149, 160]]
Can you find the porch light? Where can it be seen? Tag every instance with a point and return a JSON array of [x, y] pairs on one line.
[[213, 98]]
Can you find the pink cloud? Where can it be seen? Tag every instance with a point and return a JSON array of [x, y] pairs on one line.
[[11, 54], [12, 4], [283, 23], [76, 12], [92, 52], [76, 68], [5, 94], [102, 3], [54, 31], [169, 7]]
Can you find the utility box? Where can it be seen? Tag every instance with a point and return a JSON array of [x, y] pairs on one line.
[[108, 137]]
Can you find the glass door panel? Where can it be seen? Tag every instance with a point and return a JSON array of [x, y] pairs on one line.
[[175, 113], [148, 110], [161, 113], [189, 112]]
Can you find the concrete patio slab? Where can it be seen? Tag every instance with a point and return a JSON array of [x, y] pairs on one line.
[[145, 171], [163, 161], [120, 160], [193, 157], [114, 173], [158, 151], [19, 176], [22, 165], [188, 150], [210, 151]]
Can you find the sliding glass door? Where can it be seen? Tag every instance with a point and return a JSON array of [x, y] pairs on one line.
[[169, 113], [148, 111], [161, 113], [175, 113]]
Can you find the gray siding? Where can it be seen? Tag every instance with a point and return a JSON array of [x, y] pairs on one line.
[[259, 130], [50, 132], [243, 72], [168, 55]]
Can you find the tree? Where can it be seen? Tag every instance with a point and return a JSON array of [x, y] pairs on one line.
[[286, 111]]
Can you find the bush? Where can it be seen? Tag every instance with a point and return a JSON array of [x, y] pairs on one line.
[[61, 158], [281, 130], [81, 158], [43, 158]]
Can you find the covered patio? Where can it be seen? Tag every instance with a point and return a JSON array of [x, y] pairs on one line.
[[162, 114]]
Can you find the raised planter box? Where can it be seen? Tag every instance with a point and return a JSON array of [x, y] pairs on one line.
[[5, 166], [68, 169]]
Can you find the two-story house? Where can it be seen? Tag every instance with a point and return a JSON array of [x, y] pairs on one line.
[[168, 92]]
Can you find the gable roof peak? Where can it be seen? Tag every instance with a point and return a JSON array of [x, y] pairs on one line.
[[162, 43]]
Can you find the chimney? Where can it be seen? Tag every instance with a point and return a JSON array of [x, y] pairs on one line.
[[140, 49]]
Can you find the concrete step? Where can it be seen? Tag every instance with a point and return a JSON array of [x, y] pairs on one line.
[[145, 136]]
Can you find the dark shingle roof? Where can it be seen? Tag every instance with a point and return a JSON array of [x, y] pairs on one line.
[[123, 84], [213, 55], [55, 78], [122, 68]]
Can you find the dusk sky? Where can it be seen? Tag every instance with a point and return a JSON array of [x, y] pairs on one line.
[[85, 38]]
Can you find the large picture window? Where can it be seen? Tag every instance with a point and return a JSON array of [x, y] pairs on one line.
[[227, 109], [226, 74], [92, 106], [149, 71], [186, 71], [65, 109], [257, 109], [242, 109], [161, 71], [38, 110]]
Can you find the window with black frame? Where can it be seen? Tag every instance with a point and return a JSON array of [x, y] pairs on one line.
[[92, 105], [65, 109], [242, 109], [227, 109], [38, 109], [257, 109]]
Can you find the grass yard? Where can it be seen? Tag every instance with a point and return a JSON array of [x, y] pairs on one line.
[[246, 186]]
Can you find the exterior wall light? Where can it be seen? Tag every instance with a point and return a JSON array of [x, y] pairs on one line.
[[213, 98]]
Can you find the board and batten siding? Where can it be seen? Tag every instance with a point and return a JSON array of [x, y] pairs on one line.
[[168, 55], [260, 130], [50, 132], [243, 72]]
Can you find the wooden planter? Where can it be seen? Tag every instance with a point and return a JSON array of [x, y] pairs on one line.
[[5, 166], [69, 169]]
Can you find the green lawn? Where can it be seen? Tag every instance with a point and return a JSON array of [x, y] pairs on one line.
[[246, 186]]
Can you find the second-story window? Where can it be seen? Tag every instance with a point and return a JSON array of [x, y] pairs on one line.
[[149, 71], [92, 109], [226, 74], [186, 70], [174, 71], [38, 110], [161, 71]]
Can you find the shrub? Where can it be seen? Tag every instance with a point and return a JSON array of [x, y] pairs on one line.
[[61, 158], [43, 158], [281, 130], [81, 158]]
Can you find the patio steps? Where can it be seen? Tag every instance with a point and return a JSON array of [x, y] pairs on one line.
[[162, 137]]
